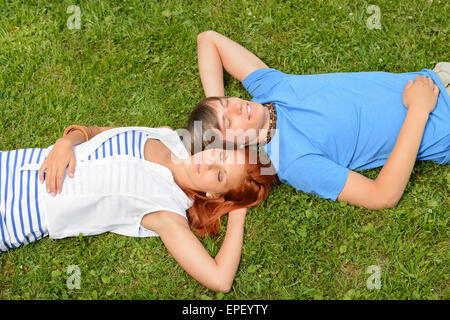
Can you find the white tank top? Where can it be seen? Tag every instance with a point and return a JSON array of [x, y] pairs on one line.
[[113, 194]]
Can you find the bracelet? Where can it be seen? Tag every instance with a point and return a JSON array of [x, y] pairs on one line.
[[76, 127]]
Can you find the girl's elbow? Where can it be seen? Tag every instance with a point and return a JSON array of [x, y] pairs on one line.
[[224, 288], [222, 284], [204, 36], [219, 286]]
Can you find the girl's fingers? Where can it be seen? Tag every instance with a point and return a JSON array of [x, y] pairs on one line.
[[41, 173], [55, 183], [51, 181], [42, 170], [48, 179], [71, 169], [59, 180]]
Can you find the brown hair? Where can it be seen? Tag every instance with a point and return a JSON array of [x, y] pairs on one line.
[[204, 113]]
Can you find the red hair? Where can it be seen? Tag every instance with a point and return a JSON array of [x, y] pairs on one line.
[[205, 214]]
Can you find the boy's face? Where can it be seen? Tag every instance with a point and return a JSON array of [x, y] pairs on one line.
[[240, 119]]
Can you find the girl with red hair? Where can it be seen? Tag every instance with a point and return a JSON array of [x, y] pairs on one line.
[[138, 182]]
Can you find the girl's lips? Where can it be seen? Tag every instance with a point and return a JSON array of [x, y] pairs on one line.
[[249, 110]]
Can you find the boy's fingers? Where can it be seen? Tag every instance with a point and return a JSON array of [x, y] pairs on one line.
[[409, 84]]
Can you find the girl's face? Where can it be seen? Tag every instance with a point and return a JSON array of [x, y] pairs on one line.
[[240, 119], [216, 171]]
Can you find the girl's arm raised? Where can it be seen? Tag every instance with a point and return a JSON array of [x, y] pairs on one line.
[[214, 273], [387, 189], [216, 52]]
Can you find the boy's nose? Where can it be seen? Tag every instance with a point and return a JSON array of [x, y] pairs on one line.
[[235, 109]]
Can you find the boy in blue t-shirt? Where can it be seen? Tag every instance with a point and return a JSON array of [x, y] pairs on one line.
[[321, 129]]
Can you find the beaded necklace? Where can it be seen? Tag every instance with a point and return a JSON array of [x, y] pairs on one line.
[[272, 120]]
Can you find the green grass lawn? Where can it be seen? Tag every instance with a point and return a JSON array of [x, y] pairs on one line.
[[133, 63]]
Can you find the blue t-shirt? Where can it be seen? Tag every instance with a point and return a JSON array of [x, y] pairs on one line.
[[328, 124]]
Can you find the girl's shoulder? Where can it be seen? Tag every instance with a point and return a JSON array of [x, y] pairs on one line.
[[155, 221]]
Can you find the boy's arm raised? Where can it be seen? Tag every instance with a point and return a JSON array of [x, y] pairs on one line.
[[217, 52]]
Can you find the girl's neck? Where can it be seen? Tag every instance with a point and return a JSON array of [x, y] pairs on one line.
[[177, 167], [157, 152]]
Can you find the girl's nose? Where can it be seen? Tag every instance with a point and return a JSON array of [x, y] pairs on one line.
[[212, 159]]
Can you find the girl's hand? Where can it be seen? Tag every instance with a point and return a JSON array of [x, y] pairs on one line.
[[421, 94], [60, 157]]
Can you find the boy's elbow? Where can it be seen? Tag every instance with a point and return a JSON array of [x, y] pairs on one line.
[[391, 202], [384, 197], [370, 194], [378, 202], [384, 202]]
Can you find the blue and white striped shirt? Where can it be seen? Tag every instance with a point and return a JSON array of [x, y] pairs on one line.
[[21, 220]]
